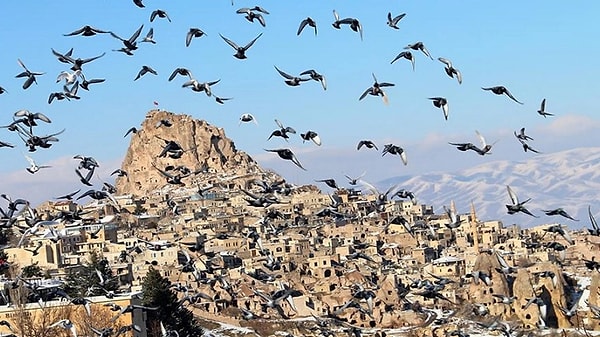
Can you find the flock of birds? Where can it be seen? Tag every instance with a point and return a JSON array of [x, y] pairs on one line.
[[24, 123], [75, 79]]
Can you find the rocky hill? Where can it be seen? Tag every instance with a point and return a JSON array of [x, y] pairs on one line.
[[182, 147]]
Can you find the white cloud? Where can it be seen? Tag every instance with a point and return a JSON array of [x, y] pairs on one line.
[[51, 182], [570, 125]]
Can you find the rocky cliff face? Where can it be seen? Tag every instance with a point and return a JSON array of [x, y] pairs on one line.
[[196, 150]]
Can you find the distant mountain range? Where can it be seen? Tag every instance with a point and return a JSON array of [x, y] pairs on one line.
[[568, 179]]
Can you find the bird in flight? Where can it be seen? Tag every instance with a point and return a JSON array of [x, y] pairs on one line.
[[240, 52], [308, 21], [450, 70], [517, 206], [375, 90], [393, 21], [501, 90], [287, 154], [442, 103], [485, 147], [354, 23], [542, 110]]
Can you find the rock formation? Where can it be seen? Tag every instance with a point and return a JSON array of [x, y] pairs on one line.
[[205, 151], [479, 292]]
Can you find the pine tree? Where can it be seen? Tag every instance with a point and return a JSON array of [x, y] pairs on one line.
[[84, 281], [157, 293]]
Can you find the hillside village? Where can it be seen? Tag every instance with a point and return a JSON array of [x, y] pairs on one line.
[[243, 247]]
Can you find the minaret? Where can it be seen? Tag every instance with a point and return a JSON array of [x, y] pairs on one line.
[[474, 229]]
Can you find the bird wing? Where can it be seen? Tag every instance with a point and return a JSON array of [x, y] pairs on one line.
[[284, 74], [403, 157], [75, 32], [279, 124], [28, 82], [229, 42], [100, 277], [140, 74], [92, 59], [458, 76], [445, 110], [153, 15], [95, 80], [567, 236], [173, 74], [398, 18], [502, 261], [399, 56], [85, 180], [370, 187], [190, 83], [445, 61], [30, 160], [61, 56], [22, 64], [481, 139], [188, 40], [61, 323], [152, 71], [347, 21], [592, 219], [543, 106], [260, 9], [165, 174], [512, 195], [252, 42], [132, 129], [303, 24], [163, 331], [323, 82], [116, 36], [511, 96], [364, 94], [261, 20], [426, 52], [295, 161], [316, 139], [385, 98]]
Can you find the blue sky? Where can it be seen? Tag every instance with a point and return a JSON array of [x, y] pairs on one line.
[[536, 49]]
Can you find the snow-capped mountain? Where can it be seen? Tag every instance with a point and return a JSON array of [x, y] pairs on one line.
[[568, 179]]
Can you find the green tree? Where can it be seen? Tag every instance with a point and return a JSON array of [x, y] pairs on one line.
[[32, 270], [5, 236], [85, 281], [157, 293], [4, 265]]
